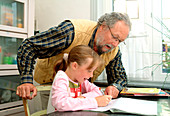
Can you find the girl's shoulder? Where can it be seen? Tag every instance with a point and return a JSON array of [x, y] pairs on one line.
[[61, 75]]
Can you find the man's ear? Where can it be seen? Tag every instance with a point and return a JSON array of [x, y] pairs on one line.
[[102, 27], [74, 65]]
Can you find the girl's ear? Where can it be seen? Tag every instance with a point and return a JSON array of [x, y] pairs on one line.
[[74, 65]]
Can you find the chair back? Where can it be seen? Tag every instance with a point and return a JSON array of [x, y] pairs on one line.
[[26, 106]]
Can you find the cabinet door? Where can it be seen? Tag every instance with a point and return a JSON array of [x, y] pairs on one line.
[[13, 15], [10, 103], [9, 43]]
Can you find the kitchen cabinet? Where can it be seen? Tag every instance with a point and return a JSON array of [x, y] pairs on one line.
[[16, 24]]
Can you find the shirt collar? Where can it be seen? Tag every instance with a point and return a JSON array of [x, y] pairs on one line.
[[91, 42]]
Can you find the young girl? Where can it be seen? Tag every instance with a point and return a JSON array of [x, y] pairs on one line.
[[71, 89]]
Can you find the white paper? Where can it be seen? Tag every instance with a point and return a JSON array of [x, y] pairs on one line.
[[130, 105]]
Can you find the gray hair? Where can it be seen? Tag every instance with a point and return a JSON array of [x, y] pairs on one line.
[[111, 18]]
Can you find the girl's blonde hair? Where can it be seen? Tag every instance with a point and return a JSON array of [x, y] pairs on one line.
[[79, 54]]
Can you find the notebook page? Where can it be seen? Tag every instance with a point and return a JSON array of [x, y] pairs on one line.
[[130, 105]]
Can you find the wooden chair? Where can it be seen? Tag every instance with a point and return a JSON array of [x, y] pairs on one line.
[[26, 106]]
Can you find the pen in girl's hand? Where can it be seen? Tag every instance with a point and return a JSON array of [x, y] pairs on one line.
[[101, 91]]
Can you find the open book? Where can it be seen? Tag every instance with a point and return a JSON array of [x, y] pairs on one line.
[[129, 105]]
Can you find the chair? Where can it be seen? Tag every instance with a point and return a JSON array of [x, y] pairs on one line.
[[26, 106]]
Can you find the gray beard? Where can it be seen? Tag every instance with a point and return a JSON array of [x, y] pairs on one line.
[[99, 47], [100, 51]]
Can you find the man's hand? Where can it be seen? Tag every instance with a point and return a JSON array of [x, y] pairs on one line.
[[111, 90], [25, 89]]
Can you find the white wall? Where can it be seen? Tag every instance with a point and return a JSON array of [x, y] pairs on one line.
[[49, 13]]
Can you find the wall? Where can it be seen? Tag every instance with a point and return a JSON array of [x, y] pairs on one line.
[[49, 13]]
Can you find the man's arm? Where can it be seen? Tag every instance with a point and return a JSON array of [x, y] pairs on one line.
[[43, 45], [116, 75]]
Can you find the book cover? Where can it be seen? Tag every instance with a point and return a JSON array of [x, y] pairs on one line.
[[143, 92], [140, 90]]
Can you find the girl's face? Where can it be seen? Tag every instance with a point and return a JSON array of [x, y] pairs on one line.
[[81, 71]]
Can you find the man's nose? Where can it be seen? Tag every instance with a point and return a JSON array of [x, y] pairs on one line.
[[114, 44]]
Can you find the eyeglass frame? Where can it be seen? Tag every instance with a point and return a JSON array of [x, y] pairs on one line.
[[115, 37]]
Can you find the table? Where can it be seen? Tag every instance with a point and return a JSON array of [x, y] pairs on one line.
[[163, 109]]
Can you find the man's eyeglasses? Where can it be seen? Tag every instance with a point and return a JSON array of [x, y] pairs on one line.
[[116, 38]]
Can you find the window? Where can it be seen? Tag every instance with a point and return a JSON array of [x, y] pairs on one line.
[[146, 56]]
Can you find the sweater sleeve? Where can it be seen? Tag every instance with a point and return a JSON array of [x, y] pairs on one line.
[[63, 102], [90, 90], [116, 74], [43, 45]]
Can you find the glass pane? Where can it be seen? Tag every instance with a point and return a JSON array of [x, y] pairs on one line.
[[8, 49], [8, 89], [166, 36], [12, 13]]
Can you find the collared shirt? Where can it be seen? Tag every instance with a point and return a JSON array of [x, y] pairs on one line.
[[51, 43]]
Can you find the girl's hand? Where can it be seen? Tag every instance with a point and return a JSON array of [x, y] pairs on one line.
[[103, 100]]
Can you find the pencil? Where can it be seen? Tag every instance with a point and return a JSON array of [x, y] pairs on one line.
[[101, 91]]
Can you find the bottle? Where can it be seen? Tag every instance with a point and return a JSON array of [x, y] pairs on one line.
[[19, 23], [7, 58], [14, 59]]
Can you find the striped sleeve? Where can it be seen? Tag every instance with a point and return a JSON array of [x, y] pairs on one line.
[[116, 74], [43, 45]]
